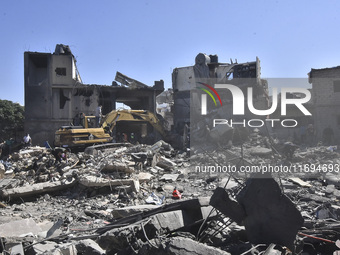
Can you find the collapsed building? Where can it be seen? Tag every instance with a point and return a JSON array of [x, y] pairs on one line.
[[209, 70], [55, 94]]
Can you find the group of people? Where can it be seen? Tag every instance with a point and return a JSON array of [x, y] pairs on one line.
[[308, 135], [78, 120], [126, 137]]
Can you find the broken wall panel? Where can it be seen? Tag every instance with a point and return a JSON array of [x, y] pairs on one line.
[[36, 189]]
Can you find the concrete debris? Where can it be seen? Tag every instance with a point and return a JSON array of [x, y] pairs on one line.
[[89, 246], [119, 199], [271, 217], [222, 202], [259, 151], [169, 177], [186, 246], [36, 189], [19, 228], [300, 182]]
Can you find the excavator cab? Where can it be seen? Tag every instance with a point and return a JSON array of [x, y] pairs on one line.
[[118, 125]]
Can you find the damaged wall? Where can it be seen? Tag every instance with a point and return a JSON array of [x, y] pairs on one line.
[[326, 99]]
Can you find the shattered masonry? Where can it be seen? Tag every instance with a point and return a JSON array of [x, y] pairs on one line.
[[103, 201]]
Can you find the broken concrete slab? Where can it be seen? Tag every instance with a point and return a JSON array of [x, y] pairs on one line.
[[169, 177], [19, 227], [89, 246], [131, 210], [167, 221], [116, 166], [165, 163], [144, 177], [37, 189], [300, 182], [271, 217], [230, 208], [17, 250], [45, 248], [259, 151], [67, 249], [93, 181], [8, 183]]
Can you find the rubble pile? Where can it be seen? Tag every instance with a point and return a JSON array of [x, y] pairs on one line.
[[151, 199]]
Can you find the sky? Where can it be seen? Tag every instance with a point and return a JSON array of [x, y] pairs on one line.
[[146, 40]]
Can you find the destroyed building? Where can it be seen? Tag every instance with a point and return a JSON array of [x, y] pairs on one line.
[[326, 100], [208, 69], [55, 93]]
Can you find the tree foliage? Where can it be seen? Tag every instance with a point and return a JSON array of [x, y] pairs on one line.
[[11, 119]]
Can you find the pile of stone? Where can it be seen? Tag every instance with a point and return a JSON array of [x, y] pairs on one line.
[[119, 199]]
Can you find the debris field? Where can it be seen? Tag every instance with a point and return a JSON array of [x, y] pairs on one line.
[[147, 199]]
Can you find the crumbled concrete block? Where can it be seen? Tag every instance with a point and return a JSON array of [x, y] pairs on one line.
[[89, 246], [116, 166], [45, 247], [299, 182], [165, 163], [186, 246], [271, 217], [131, 210], [222, 202], [17, 250], [169, 177], [8, 183], [259, 151], [144, 177], [67, 249], [168, 221]]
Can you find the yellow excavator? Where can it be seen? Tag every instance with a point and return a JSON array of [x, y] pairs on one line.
[[117, 126]]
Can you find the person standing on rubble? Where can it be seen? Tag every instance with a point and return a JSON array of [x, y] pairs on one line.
[[303, 134], [82, 119], [310, 135], [98, 115], [1, 146], [60, 154], [27, 140], [76, 120], [328, 135]]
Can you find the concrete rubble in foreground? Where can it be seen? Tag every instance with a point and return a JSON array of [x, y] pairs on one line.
[[108, 201]]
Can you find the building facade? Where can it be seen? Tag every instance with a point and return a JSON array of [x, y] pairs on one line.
[[326, 100]]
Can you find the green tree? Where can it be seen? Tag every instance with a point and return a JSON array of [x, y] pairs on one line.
[[11, 119]]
